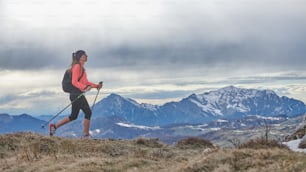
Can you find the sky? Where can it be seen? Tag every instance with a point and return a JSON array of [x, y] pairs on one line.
[[153, 51]]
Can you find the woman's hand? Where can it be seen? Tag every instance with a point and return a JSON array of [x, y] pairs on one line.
[[100, 85]]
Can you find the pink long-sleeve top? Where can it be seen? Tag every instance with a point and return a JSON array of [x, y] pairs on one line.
[[83, 82]]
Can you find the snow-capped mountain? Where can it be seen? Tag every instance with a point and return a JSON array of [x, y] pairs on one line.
[[232, 102], [226, 103]]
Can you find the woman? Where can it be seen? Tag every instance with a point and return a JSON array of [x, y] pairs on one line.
[[81, 84]]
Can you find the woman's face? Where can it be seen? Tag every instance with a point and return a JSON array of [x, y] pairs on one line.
[[83, 58]]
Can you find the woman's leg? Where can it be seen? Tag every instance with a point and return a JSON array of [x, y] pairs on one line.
[[86, 109], [86, 127], [75, 109], [62, 122]]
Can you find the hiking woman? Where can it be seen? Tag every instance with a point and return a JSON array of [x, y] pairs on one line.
[[81, 85]]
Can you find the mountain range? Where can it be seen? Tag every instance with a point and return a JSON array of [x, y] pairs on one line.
[[23, 122], [226, 103], [207, 115]]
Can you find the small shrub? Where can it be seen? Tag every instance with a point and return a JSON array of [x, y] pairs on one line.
[[194, 143], [302, 145], [261, 143], [297, 134], [153, 143], [236, 142]]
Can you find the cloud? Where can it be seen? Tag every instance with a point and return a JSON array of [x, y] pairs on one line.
[[167, 35], [25, 58], [7, 98], [152, 49]]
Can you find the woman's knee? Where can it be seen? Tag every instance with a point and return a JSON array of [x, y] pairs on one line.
[[88, 115], [72, 118]]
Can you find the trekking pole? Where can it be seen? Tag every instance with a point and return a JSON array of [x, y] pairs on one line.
[[93, 105], [43, 126]]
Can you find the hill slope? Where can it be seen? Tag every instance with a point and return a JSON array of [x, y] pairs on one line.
[[31, 152]]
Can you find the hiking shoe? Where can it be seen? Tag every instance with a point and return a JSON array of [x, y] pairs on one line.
[[52, 129]]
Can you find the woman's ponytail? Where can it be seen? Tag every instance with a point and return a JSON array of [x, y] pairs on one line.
[[74, 60]]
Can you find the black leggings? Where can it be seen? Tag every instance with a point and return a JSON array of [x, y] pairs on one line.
[[79, 104]]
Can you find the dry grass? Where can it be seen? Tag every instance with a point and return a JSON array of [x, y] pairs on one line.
[[264, 160], [31, 152], [261, 143]]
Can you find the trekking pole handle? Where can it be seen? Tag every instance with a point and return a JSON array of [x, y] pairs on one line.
[[100, 83]]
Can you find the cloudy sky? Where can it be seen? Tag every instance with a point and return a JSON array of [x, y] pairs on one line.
[[153, 51]]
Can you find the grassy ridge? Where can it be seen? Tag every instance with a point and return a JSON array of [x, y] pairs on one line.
[[32, 152]]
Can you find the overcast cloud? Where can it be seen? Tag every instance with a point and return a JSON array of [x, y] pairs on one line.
[[152, 47]]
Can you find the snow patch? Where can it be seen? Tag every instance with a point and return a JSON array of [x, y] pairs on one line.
[[95, 132], [294, 145], [266, 118], [138, 126], [203, 125], [149, 106], [207, 108], [222, 121], [215, 129]]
